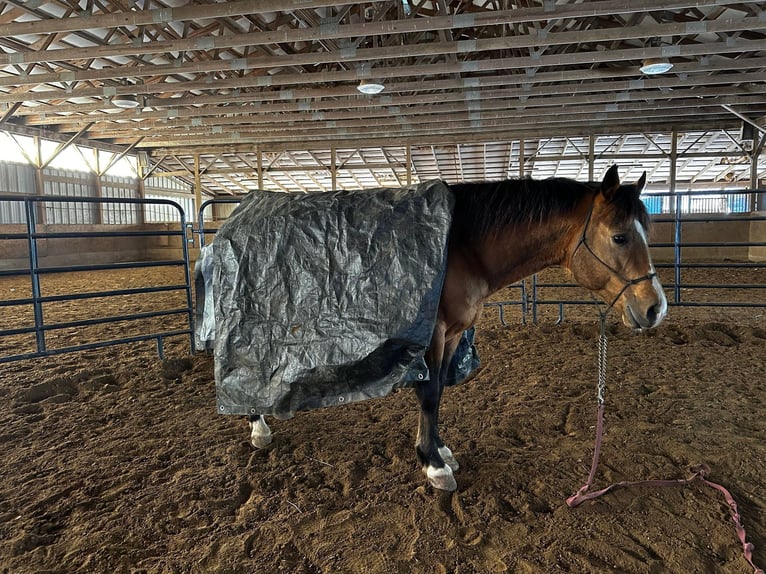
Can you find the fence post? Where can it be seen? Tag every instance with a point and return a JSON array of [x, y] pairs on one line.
[[677, 250], [31, 215]]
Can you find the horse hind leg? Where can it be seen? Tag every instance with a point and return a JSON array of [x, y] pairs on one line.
[[260, 433]]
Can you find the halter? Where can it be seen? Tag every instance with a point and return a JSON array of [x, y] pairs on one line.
[[626, 282]]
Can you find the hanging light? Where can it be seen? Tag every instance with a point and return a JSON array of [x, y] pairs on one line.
[[370, 87], [127, 102], [654, 66]]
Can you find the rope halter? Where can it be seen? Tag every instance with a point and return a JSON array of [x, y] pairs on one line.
[[625, 281]]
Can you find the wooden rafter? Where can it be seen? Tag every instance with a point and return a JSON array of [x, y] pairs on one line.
[[248, 82]]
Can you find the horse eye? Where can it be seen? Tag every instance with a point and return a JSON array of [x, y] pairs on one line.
[[620, 239]]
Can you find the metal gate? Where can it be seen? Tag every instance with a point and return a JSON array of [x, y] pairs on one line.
[[32, 233]]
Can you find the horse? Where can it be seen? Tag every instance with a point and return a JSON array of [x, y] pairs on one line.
[[504, 231]]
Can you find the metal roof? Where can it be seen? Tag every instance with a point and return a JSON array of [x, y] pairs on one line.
[[269, 87]]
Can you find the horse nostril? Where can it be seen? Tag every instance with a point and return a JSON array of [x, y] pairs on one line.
[[652, 313]]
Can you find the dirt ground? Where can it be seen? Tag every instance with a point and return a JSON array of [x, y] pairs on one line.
[[116, 462]]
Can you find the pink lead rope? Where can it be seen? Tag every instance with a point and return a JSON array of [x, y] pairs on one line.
[[699, 473]]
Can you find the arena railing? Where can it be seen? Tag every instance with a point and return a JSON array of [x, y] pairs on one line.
[[201, 230], [33, 234], [529, 301]]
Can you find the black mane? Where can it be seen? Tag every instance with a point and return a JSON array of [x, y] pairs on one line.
[[484, 207]]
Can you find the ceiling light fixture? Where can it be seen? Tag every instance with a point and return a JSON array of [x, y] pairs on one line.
[[370, 87], [126, 102], [654, 66]]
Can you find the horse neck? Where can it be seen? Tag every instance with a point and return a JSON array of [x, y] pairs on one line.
[[520, 250]]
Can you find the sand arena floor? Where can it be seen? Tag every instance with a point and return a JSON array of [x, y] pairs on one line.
[[115, 461]]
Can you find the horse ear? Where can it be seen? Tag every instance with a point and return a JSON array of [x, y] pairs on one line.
[[641, 183], [611, 183]]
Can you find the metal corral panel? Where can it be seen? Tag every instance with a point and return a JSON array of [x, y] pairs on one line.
[[15, 178]]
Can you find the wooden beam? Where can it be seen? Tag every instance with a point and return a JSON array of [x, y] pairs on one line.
[[333, 168], [159, 16], [571, 82], [729, 46], [9, 114], [438, 112], [744, 118], [197, 183], [387, 128], [119, 156], [362, 29], [259, 155], [535, 42], [62, 146], [500, 131], [409, 163]]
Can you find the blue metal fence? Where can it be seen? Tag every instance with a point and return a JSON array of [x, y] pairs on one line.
[[35, 270], [529, 301]]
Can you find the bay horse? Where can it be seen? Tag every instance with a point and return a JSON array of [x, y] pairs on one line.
[[504, 231]]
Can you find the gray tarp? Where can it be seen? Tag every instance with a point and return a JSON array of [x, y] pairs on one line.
[[325, 299]]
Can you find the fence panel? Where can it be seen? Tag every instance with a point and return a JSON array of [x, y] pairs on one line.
[[33, 301]]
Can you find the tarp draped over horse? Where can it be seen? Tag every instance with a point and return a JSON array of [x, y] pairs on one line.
[[323, 299]]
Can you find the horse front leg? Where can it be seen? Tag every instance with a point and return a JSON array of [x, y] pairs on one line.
[[260, 433], [436, 459]]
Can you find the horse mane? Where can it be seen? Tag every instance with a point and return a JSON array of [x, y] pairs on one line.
[[482, 208]]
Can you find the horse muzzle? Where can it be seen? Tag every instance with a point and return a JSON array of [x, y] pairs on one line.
[[647, 318]]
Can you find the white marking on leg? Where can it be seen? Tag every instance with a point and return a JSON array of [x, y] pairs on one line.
[[449, 458], [441, 478], [260, 433]]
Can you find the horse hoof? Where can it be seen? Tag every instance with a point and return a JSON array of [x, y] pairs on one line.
[[261, 440], [441, 478], [448, 458]]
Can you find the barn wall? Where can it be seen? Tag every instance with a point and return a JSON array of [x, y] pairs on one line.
[[14, 254], [731, 230], [166, 247], [758, 235]]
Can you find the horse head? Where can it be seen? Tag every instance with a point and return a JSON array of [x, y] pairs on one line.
[[610, 254]]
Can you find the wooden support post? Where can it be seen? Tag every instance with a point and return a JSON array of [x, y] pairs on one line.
[[197, 184], [333, 169], [758, 201], [97, 208], [39, 181], [259, 159], [408, 161], [141, 208]]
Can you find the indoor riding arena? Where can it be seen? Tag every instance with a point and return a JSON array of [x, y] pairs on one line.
[[131, 132]]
